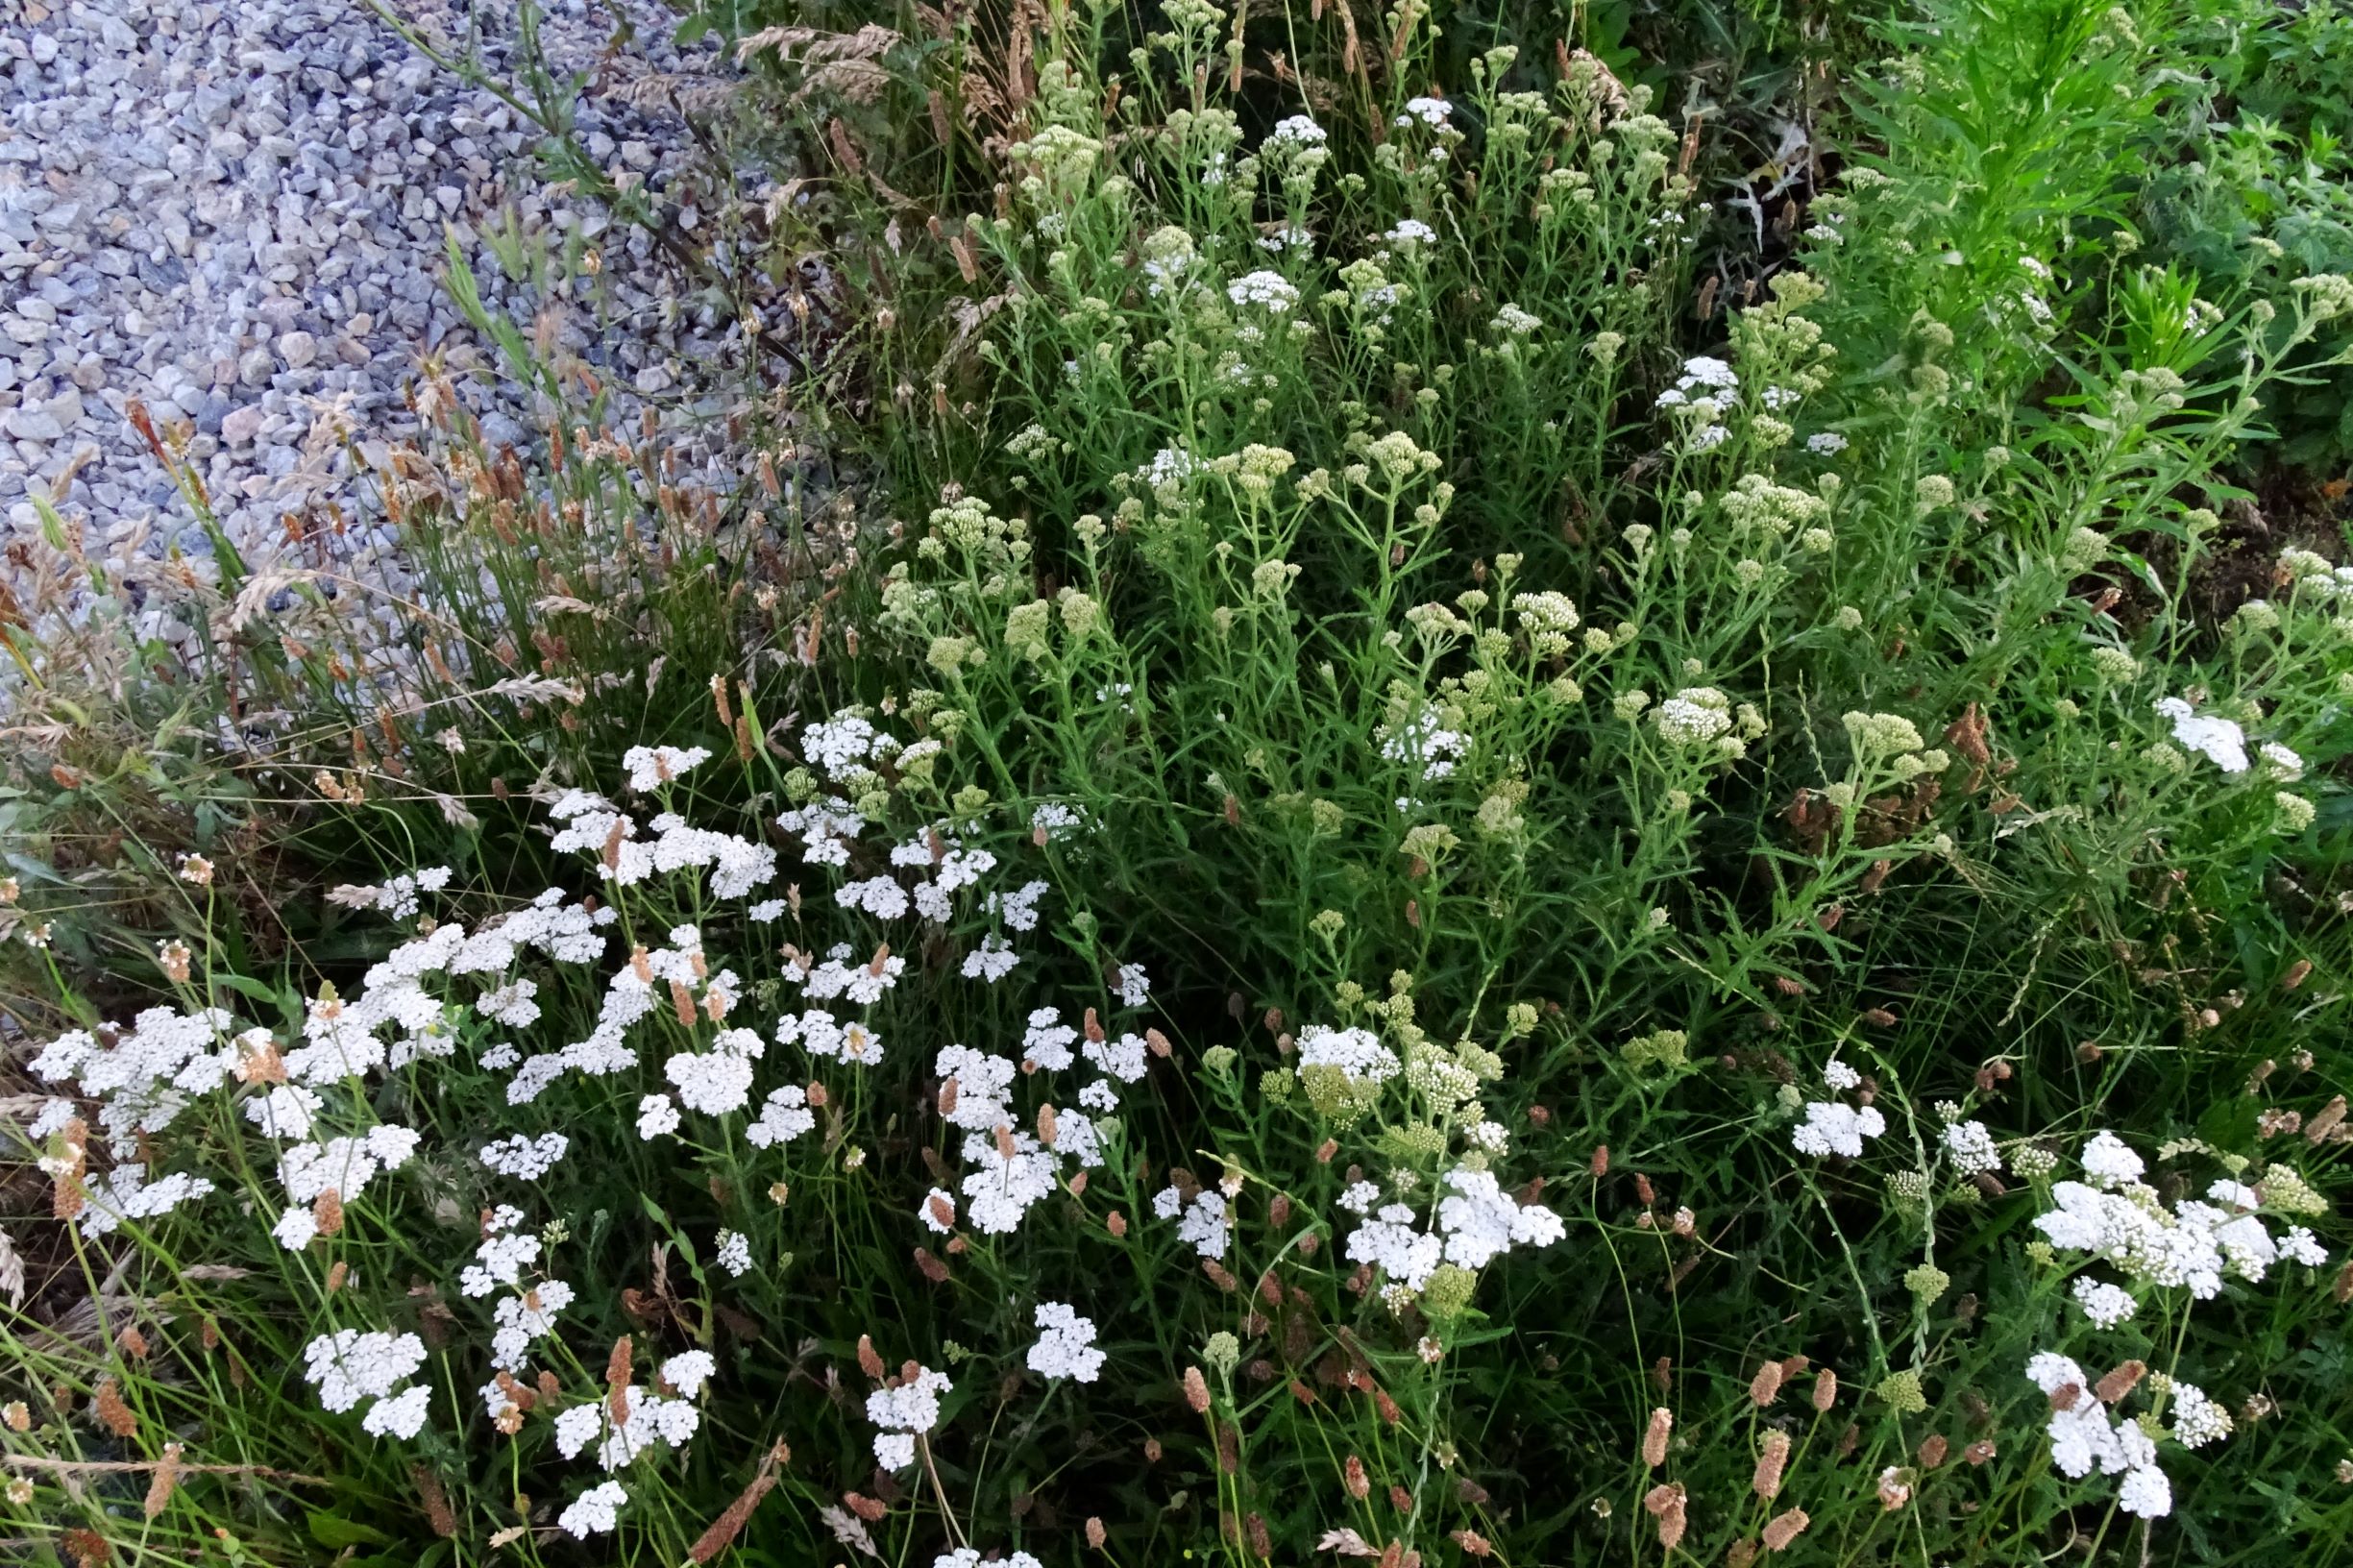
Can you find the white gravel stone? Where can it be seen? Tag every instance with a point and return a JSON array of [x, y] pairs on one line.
[[236, 213]]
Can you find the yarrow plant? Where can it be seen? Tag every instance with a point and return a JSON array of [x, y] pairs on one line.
[[1416, 825]]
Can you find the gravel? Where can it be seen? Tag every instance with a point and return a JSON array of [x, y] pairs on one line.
[[234, 212]]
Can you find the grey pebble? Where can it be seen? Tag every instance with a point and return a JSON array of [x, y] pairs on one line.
[[236, 213]]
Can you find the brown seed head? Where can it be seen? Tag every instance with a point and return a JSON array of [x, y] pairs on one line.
[[1785, 1528], [1766, 1481], [112, 1412], [617, 1379], [436, 1500], [1666, 1504], [1654, 1437], [2325, 1121], [2121, 1380], [723, 1530]]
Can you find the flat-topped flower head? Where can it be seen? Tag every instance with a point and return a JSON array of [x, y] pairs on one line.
[[1269, 291], [651, 767], [1065, 1344], [595, 1511], [2218, 739], [1832, 1128]]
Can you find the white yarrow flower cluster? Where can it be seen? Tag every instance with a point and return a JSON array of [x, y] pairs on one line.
[[2218, 739], [733, 1253], [1270, 292], [2193, 1245], [1065, 1344], [784, 1115], [1475, 1222], [688, 1371], [845, 747], [504, 1252], [595, 1511], [526, 1158], [1008, 1171], [1701, 374], [1969, 1146], [992, 960], [594, 826], [650, 767], [2198, 1420], [1046, 1041], [351, 1364], [1834, 1127], [1513, 322], [905, 1410], [2085, 1437], [125, 1193], [652, 1423], [844, 975], [1695, 716], [1428, 748], [1356, 1053], [656, 1116], [1202, 1223], [2104, 1304]]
